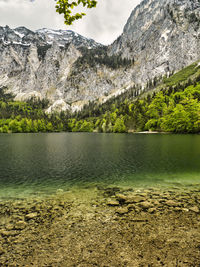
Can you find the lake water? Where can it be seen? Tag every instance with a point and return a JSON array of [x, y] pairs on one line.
[[44, 163]]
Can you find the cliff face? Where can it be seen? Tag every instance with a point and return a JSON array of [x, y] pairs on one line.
[[62, 66], [160, 37]]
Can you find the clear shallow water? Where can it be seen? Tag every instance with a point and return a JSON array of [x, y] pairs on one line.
[[44, 163]]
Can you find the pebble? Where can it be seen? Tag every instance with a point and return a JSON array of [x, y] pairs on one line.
[[178, 209], [146, 205], [135, 199], [121, 198], [152, 210], [2, 251], [8, 233], [31, 215], [59, 191], [172, 203], [156, 202], [9, 227], [20, 225], [195, 209], [185, 210], [113, 203], [122, 211]]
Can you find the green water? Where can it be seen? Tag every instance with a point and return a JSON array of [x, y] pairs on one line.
[[37, 164]]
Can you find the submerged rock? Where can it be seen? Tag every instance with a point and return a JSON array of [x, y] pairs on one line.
[[2, 251], [111, 191], [113, 203], [152, 210], [59, 191], [121, 198], [172, 203], [146, 205], [134, 199], [31, 215], [195, 209], [122, 210], [9, 227], [8, 233], [20, 225]]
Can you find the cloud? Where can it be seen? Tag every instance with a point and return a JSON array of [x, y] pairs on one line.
[[103, 23]]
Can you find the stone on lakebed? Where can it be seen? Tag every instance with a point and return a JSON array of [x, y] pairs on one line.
[[146, 205], [195, 209], [20, 225], [113, 203], [122, 211], [31, 215]]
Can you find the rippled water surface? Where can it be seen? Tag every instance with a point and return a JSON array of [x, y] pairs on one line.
[[44, 163]]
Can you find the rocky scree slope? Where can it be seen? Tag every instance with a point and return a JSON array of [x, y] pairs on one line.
[[160, 37]]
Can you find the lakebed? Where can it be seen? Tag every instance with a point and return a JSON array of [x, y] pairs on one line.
[[103, 226], [80, 199]]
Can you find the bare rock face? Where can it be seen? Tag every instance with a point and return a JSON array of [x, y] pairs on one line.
[[160, 37], [62, 66]]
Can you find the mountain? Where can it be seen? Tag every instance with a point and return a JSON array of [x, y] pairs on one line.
[[25, 37], [163, 36], [172, 106], [38, 63], [160, 38]]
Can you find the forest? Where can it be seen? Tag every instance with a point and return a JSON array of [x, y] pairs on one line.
[[172, 107]]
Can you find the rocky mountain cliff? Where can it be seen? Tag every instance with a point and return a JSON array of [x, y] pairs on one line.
[[159, 38], [163, 36]]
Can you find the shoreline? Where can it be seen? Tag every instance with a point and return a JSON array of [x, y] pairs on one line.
[[94, 132], [103, 226]]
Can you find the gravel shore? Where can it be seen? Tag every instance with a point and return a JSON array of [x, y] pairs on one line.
[[103, 226]]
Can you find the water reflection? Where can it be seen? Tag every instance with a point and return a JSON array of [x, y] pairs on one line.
[[45, 162]]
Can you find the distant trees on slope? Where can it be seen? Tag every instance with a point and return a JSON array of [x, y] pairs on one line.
[[174, 108]]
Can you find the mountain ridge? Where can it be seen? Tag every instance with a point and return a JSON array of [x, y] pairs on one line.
[[162, 36], [24, 36], [159, 38], [171, 106]]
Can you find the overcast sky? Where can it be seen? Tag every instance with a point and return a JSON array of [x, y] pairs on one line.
[[103, 23]]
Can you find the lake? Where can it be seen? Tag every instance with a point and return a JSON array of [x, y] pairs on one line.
[[40, 164]]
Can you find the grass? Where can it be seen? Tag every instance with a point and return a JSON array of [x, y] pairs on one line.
[[182, 75]]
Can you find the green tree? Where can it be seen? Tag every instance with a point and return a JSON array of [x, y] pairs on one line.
[[65, 7], [24, 126], [60, 127], [179, 121], [35, 126], [5, 129], [15, 127], [49, 127], [119, 126], [86, 127], [41, 126], [77, 126]]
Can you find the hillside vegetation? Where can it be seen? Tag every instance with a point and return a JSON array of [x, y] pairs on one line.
[[18, 117], [172, 106]]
